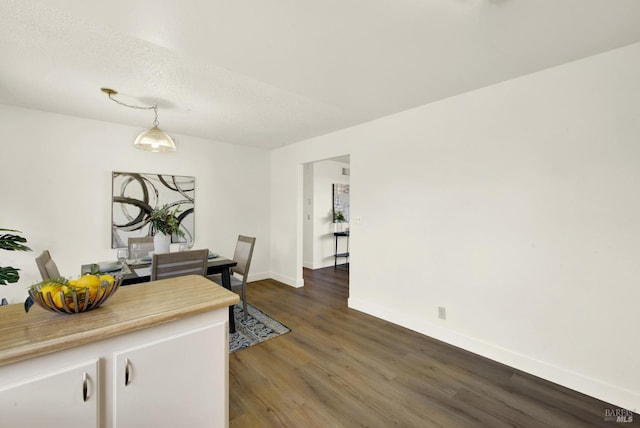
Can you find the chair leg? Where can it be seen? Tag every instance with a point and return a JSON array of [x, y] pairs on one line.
[[244, 299]]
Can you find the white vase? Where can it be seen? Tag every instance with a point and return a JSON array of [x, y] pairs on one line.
[[161, 242]]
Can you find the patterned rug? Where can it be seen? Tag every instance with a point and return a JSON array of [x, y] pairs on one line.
[[257, 328]]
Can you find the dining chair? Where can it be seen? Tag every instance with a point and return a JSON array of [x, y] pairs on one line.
[[145, 244], [46, 266], [242, 255], [169, 265]]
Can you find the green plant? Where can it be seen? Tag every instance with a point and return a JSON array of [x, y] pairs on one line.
[[166, 221], [339, 217], [11, 242]]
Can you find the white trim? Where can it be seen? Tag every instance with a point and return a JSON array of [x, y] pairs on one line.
[[287, 280], [613, 394], [258, 276]]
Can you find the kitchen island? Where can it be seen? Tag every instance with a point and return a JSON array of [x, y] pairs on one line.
[[155, 354]]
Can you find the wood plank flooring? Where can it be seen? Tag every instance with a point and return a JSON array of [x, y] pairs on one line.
[[342, 368]]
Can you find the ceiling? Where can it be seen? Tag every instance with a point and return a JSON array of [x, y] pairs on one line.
[[270, 73]]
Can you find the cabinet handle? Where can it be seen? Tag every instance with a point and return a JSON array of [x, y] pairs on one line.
[[85, 388], [126, 371]]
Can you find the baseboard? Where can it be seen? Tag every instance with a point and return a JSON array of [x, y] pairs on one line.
[[317, 265], [613, 394], [258, 276], [287, 280]]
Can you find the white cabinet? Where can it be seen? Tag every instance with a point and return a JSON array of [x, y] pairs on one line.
[[57, 397], [168, 339], [172, 382], [170, 375]]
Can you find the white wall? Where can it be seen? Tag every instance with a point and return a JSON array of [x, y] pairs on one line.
[[308, 219], [515, 207], [55, 186]]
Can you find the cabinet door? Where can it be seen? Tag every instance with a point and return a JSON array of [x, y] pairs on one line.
[[180, 381], [65, 398]]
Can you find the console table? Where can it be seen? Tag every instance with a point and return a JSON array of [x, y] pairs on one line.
[[336, 254]]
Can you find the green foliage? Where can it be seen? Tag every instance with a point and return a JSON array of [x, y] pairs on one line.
[[9, 274], [166, 221], [11, 242], [339, 217]]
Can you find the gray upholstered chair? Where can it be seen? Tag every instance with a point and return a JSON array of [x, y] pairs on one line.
[[242, 255], [145, 243], [46, 266], [168, 265]]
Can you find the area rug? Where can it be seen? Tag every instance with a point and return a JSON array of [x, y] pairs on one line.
[[257, 328]]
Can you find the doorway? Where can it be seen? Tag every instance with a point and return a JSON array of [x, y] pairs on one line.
[[319, 242]]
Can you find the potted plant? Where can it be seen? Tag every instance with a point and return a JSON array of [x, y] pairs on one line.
[[164, 223], [338, 221], [11, 242]]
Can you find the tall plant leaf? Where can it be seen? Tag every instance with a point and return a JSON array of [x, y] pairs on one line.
[[12, 242], [8, 275]]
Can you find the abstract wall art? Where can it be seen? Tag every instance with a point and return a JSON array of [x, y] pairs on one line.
[[135, 195], [341, 202]]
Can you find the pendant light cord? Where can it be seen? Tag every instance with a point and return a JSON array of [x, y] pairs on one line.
[[154, 108]]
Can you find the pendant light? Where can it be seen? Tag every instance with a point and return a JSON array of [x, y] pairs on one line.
[[154, 139]]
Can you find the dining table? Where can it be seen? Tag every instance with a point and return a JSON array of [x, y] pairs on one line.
[[139, 271]]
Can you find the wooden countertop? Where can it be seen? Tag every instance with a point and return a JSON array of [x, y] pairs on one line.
[[133, 307]]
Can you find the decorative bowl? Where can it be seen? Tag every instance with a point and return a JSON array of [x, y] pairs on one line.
[[62, 297]]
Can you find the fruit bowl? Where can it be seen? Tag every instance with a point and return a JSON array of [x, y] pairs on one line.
[[72, 297]]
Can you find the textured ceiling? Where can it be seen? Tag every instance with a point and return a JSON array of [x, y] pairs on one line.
[[270, 73]]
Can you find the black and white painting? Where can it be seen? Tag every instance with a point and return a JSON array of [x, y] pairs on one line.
[[136, 195], [341, 203]]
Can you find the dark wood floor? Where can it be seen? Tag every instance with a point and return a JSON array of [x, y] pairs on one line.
[[341, 368]]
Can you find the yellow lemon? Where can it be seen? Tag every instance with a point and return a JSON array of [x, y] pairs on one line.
[[57, 300], [49, 288], [101, 292], [110, 279], [89, 292], [81, 293], [88, 281]]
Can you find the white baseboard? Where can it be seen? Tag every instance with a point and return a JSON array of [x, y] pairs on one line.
[[613, 394], [317, 265], [287, 280], [258, 276]]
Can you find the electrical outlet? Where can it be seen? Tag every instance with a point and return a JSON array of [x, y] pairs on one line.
[[442, 312], [357, 220]]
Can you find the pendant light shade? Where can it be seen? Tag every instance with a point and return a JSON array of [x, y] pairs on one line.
[[154, 140]]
